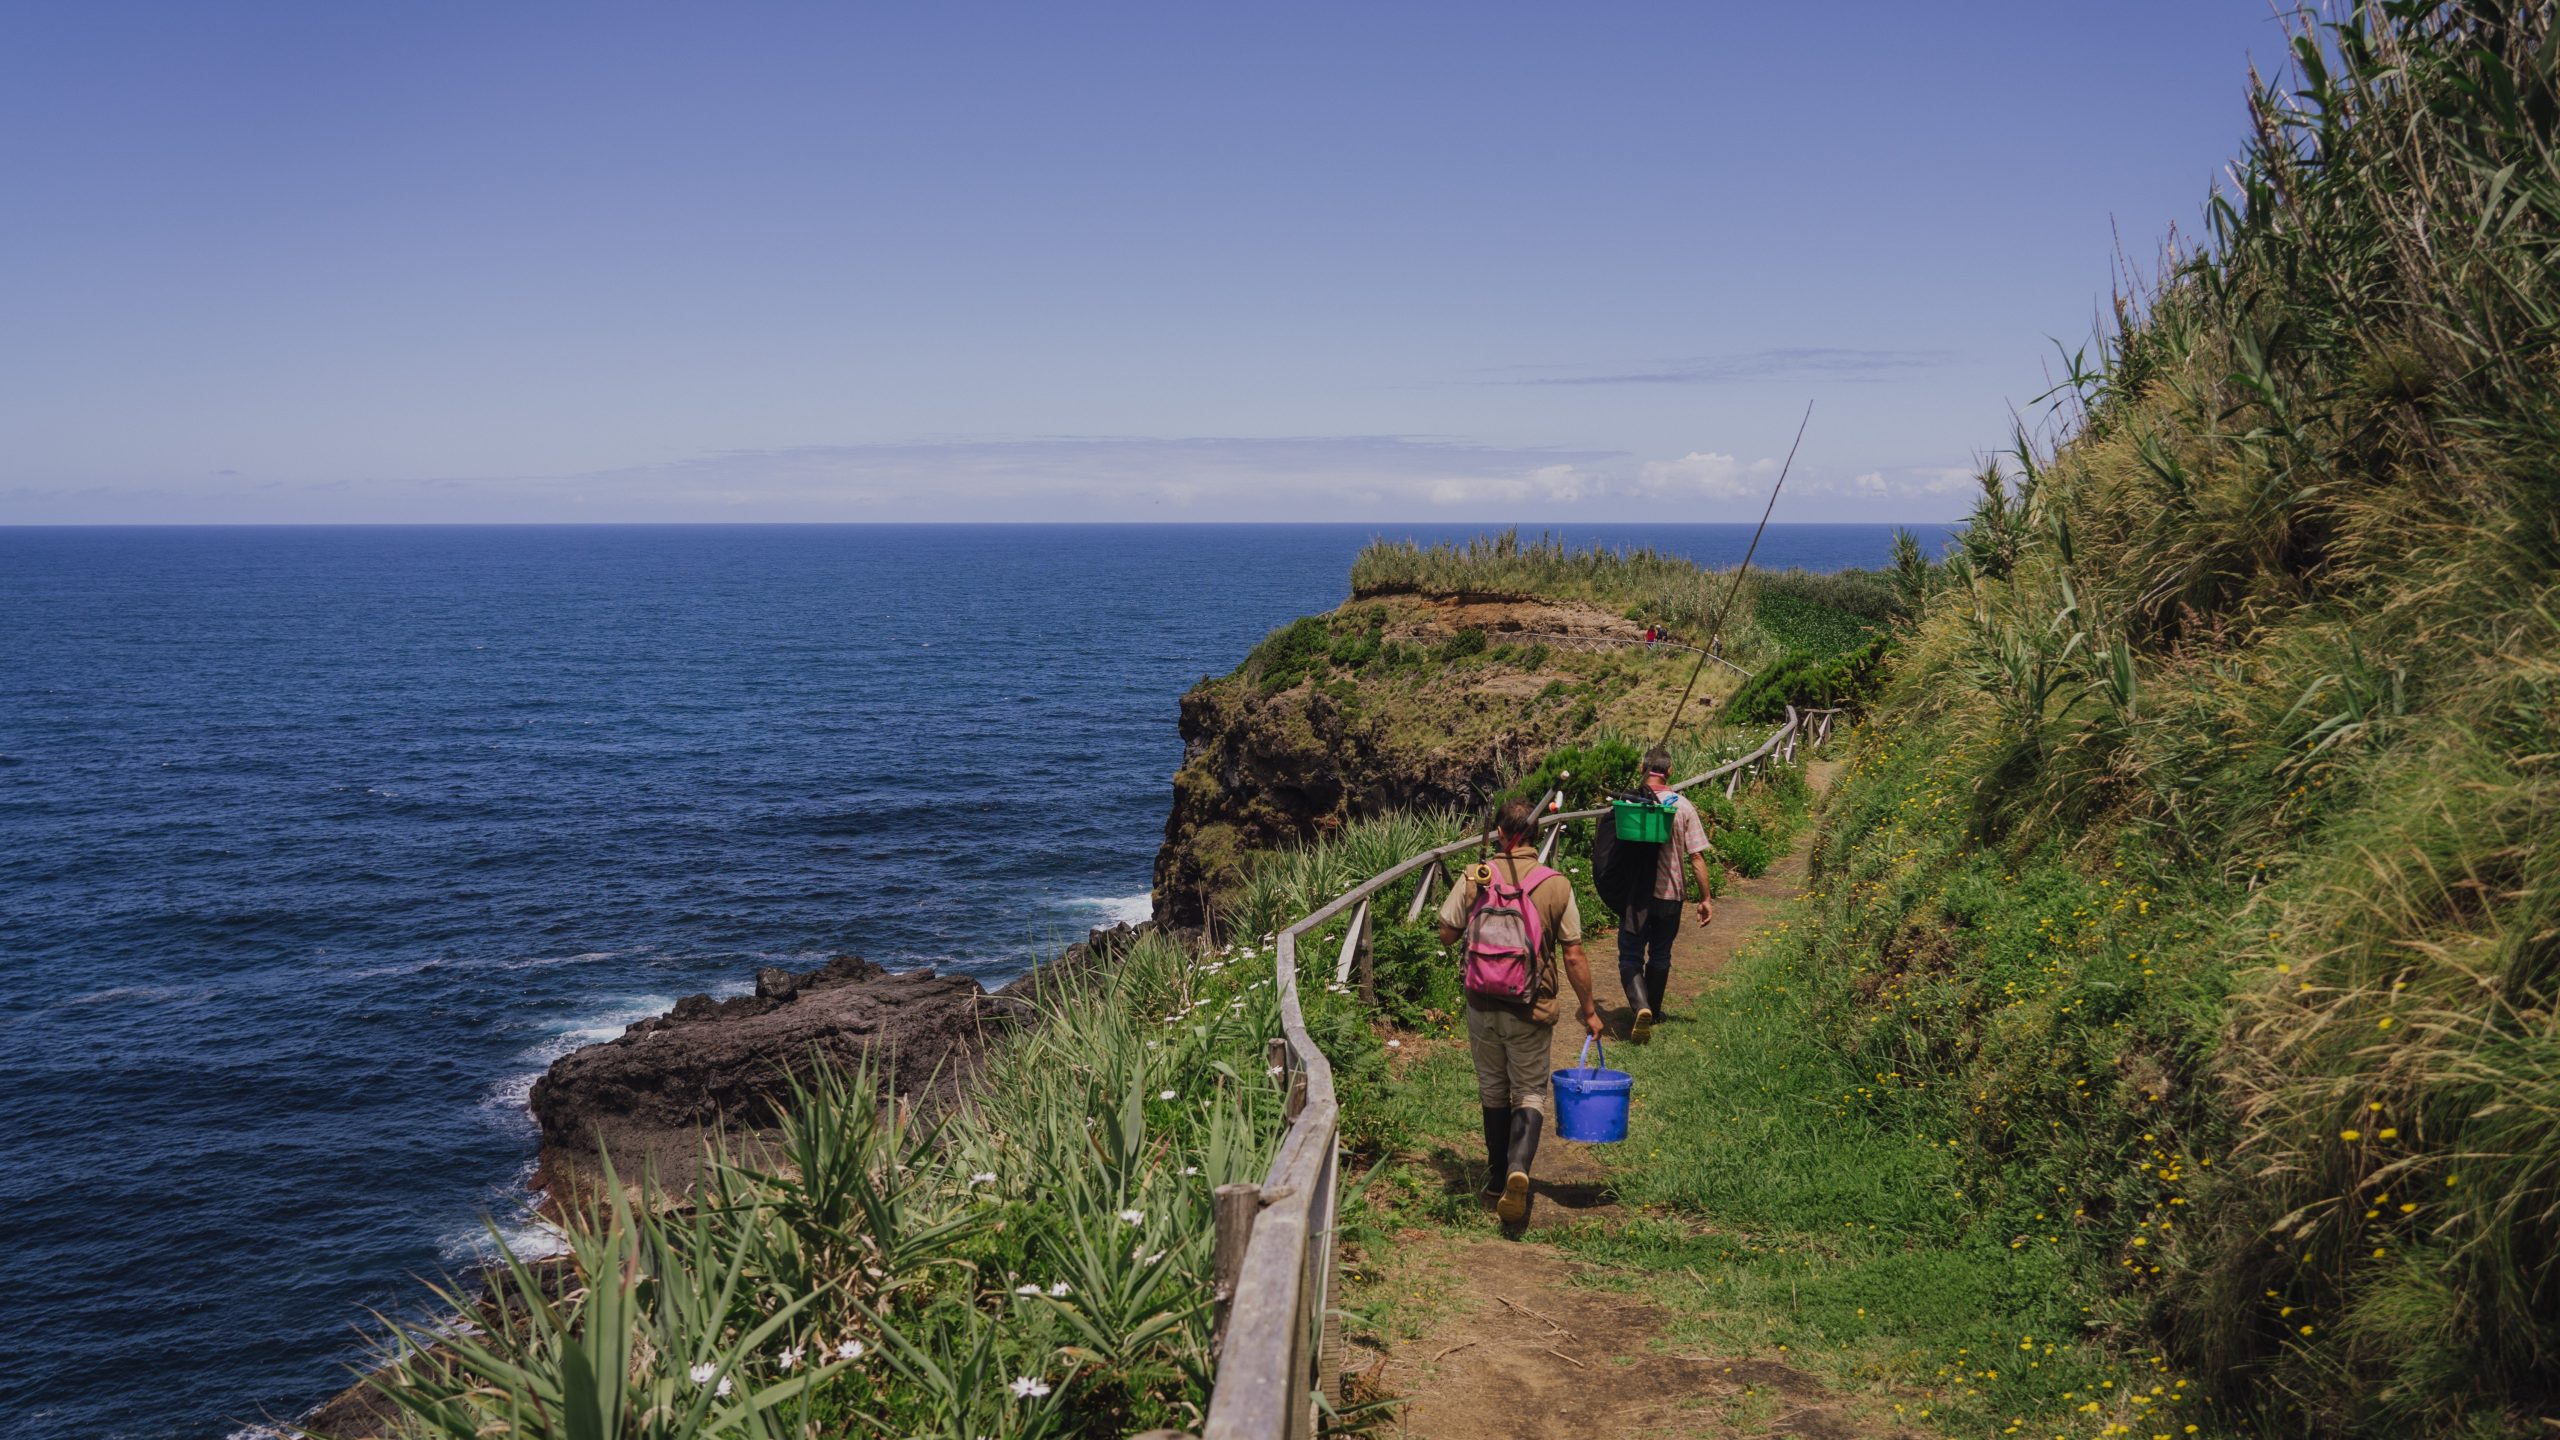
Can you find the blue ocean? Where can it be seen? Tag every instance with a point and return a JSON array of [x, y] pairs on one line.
[[318, 844]]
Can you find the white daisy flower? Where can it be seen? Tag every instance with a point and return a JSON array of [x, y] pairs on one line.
[[789, 1359], [1059, 1291], [1026, 1387], [1026, 1289], [849, 1350], [1164, 1094], [983, 1177], [722, 1389], [702, 1373], [1134, 1217]]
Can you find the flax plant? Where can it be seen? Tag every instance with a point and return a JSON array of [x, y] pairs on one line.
[[1031, 1262]]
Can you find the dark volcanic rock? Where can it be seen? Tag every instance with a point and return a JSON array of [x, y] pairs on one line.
[[650, 1094]]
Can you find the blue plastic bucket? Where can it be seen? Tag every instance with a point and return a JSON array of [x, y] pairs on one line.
[[1591, 1104]]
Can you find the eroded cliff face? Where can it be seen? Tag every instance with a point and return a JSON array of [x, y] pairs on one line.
[[1390, 702]]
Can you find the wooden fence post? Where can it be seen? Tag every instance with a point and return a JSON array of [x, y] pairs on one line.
[[1547, 847], [1234, 1207], [1368, 959], [1422, 892], [1355, 948]]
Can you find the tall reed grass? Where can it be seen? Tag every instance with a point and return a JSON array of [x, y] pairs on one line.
[[2259, 672]]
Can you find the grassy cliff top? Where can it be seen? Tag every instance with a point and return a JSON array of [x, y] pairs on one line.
[[1637, 583]]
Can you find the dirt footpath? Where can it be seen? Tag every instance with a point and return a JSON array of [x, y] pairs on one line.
[[1519, 1347]]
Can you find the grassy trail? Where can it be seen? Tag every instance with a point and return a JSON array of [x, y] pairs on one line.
[[1767, 1254], [1482, 1334]]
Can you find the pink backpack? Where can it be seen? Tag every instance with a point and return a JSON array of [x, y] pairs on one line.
[[1505, 936]]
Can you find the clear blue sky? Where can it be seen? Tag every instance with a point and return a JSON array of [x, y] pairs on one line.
[[484, 261]]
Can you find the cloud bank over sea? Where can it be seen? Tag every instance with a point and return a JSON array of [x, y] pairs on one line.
[[1057, 478]]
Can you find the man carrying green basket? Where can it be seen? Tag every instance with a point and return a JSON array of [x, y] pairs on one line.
[[1647, 930]]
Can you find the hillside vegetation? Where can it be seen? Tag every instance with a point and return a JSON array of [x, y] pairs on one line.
[[1454, 668], [2199, 877]]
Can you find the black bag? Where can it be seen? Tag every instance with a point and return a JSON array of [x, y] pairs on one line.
[[1622, 871]]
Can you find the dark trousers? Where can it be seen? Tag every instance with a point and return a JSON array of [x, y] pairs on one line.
[[1644, 953]]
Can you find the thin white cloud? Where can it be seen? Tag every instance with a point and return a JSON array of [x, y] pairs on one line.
[[1294, 478], [1804, 362], [1705, 472], [1909, 481]]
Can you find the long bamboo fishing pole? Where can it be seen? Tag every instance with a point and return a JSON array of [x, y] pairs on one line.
[[1715, 636]]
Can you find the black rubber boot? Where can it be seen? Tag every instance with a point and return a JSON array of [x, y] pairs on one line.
[[1497, 1145], [1513, 1207], [1640, 1029], [1657, 983]]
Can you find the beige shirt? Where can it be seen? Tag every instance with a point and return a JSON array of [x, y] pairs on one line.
[[1688, 837], [1559, 920]]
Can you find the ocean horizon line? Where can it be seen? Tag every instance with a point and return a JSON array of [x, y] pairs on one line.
[[1438, 523]]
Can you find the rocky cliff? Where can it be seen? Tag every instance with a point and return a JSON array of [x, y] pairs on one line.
[[1395, 700], [650, 1095]]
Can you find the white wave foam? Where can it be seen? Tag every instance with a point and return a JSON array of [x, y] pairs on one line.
[[526, 1237], [1120, 909], [604, 1020], [128, 993], [491, 962]]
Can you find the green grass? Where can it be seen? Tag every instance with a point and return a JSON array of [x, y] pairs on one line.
[[1823, 615], [1639, 580], [1803, 1210]]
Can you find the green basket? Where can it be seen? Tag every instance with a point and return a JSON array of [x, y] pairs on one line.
[[1642, 821]]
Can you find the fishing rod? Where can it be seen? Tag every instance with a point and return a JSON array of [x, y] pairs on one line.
[[1715, 636]]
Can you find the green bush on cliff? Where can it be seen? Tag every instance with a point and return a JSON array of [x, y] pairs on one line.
[[2274, 633], [1843, 680], [1822, 615]]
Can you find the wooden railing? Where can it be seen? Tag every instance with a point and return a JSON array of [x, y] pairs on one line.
[[1278, 1340]]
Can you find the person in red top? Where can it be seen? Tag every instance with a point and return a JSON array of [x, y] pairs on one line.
[[1512, 1040]]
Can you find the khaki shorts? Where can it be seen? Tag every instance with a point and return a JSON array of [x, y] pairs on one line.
[[1511, 1054]]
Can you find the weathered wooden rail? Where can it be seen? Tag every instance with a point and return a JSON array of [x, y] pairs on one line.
[[1278, 1340]]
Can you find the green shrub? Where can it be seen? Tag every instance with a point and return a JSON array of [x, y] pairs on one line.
[[1847, 681], [1460, 645], [1745, 850], [1288, 655], [1803, 626]]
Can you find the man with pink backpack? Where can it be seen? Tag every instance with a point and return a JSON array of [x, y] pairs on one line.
[[1515, 917]]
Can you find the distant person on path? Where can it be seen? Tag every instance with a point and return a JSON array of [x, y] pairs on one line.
[[1512, 1040], [1644, 941]]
